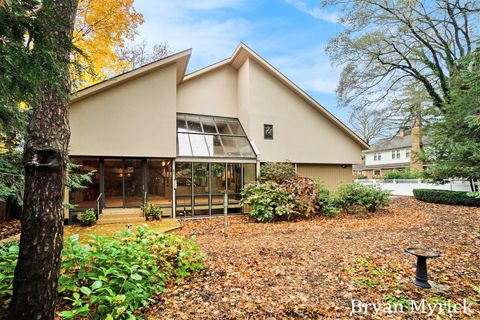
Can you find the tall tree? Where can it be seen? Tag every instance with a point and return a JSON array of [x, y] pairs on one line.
[[137, 55], [455, 146], [370, 125], [102, 27], [387, 43], [49, 33]]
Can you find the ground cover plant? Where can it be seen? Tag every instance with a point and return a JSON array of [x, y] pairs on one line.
[[113, 277]]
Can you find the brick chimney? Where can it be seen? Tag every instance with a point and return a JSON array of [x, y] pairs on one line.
[[415, 164], [401, 133]]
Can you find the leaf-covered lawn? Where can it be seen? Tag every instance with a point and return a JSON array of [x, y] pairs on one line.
[[313, 269]]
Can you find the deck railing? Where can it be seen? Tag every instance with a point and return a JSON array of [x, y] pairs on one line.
[[99, 209]]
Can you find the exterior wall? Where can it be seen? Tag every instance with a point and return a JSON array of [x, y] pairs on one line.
[[243, 95], [136, 118], [214, 93], [386, 157], [331, 174], [300, 133]]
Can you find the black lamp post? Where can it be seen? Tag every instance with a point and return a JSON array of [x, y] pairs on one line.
[[421, 275]]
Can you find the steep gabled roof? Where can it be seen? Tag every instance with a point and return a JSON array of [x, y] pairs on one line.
[[239, 56], [243, 52], [180, 58]]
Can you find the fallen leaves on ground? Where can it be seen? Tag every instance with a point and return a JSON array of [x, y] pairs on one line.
[[313, 269], [9, 228]]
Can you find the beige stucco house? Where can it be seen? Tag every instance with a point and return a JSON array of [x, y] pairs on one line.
[[181, 140]]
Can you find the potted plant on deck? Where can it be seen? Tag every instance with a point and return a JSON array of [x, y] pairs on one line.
[[151, 212]]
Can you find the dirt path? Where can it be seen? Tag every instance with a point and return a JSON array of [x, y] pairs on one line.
[[313, 269]]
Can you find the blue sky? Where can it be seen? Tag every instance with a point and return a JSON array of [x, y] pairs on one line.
[[290, 34]]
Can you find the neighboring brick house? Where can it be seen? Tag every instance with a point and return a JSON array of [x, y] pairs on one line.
[[392, 154]]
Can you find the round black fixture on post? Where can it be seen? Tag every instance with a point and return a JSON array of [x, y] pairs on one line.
[[421, 275]]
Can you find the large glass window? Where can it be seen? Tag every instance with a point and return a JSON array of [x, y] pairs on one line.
[[206, 184], [113, 183], [205, 136], [133, 179], [159, 182], [249, 173], [201, 175], [183, 174], [234, 182], [86, 197], [218, 182]]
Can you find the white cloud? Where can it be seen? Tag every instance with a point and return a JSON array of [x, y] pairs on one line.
[[200, 25], [317, 13], [213, 35], [311, 70]]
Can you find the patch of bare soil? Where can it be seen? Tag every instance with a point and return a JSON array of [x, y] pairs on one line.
[[314, 269]]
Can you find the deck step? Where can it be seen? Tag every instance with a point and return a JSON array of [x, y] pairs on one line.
[[122, 211], [121, 215], [120, 220]]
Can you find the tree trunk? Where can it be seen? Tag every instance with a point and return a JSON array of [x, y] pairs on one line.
[[45, 159]]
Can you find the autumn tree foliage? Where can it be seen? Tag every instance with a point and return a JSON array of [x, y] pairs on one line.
[[101, 28]]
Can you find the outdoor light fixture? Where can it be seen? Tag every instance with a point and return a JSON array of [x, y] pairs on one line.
[[421, 275]]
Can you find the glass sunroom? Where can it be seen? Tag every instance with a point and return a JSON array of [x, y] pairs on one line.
[[214, 157]]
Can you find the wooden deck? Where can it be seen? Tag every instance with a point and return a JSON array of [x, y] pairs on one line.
[[164, 225]]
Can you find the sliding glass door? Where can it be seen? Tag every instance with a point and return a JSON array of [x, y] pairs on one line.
[[133, 182], [113, 176], [123, 183], [201, 187]]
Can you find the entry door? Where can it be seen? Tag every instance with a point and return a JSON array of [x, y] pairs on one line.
[[113, 183], [133, 182], [123, 183]]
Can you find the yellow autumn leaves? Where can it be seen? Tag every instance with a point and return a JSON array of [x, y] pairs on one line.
[[101, 28]]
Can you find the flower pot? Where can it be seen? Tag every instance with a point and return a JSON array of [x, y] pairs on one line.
[[150, 218]]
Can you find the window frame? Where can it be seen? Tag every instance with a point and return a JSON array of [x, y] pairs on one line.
[[236, 136], [265, 126]]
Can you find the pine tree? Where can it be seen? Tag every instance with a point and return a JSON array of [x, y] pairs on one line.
[[455, 149]]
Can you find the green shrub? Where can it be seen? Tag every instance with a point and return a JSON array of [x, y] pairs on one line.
[[326, 202], [352, 196], [403, 174], [87, 218], [361, 177], [461, 198], [277, 172], [113, 278], [269, 201], [303, 196], [374, 198]]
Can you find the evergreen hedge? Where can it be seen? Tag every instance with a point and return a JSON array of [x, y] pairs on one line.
[[461, 198]]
